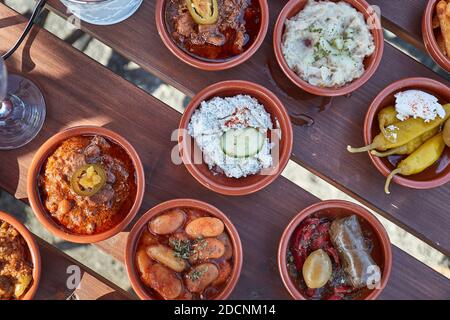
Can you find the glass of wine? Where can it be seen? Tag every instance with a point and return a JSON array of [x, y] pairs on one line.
[[22, 110], [102, 12]]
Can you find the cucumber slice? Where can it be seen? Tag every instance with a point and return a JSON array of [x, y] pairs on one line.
[[242, 143]]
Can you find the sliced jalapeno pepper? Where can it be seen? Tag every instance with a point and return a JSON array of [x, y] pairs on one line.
[[88, 179], [203, 11]]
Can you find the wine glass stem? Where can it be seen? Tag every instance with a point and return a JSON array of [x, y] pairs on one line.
[[6, 108]]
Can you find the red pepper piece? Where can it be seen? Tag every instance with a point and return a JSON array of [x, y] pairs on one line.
[[324, 228], [320, 242], [297, 237], [299, 258], [307, 235], [297, 250], [333, 253], [335, 297], [302, 236], [343, 290], [297, 253], [311, 220], [310, 292], [322, 236], [309, 230]]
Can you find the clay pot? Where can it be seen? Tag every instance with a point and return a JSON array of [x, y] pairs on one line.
[[429, 38], [371, 63], [435, 176], [210, 65], [34, 252], [133, 238], [47, 149], [219, 182], [335, 209]]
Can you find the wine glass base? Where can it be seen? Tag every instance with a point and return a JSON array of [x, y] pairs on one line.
[[27, 117], [108, 13]]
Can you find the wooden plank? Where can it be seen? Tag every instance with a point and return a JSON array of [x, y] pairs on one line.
[[79, 91], [334, 128], [55, 277], [405, 14]]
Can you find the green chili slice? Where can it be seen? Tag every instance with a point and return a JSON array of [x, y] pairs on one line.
[[88, 179], [203, 11]]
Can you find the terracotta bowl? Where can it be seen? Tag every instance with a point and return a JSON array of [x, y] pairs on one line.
[[381, 252], [371, 63], [34, 252], [47, 149], [436, 175], [210, 65], [135, 234], [219, 182], [429, 38]]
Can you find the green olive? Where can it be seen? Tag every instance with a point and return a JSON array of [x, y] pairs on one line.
[[203, 11], [446, 133], [317, 269], [88, 179]]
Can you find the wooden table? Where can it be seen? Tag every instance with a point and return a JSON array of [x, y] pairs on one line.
[[80, 91]]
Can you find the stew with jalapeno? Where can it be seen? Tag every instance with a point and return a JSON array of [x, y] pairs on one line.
[[88, 184], [213, 30]]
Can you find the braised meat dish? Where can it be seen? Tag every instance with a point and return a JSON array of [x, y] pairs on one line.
[[332, 259], [88, 184], [213, 29], [15, 263], [184, 254]]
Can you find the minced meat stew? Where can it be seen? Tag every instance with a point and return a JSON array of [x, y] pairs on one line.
[[218, 36], [88, 184], [15, 263]]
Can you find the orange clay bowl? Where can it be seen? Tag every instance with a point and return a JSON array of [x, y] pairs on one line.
[[133, 238], [335, 209], [371, 63], [47, 149], [429, 38], [210, 65], [435, 176], [34, 252], [220, 183]]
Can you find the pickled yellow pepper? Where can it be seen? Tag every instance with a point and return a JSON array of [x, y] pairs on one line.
[[386, 117], [424, 157], [446, 133], [404, 132], [408, 148]]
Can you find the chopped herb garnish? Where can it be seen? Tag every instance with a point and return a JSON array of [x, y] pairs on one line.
[[197, 273], [200, 244], [313, 29], [182, 248], [320, 52], [186, 248]]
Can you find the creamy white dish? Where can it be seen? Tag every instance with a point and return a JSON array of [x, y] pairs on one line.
[[232, 134], [418, 104], [326, 43]]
